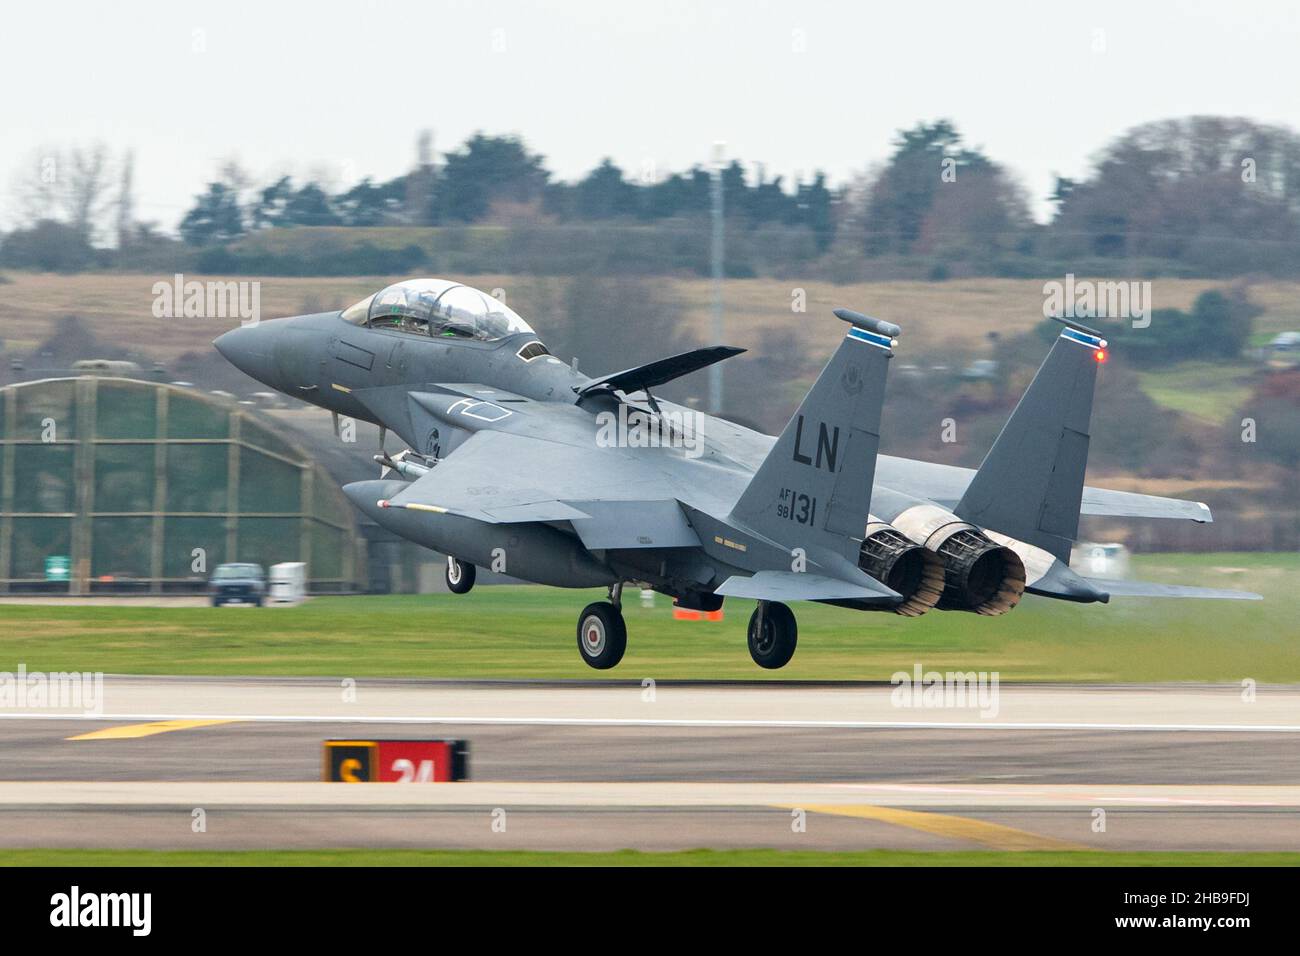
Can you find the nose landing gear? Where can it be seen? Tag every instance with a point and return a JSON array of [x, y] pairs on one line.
[[460, 577]]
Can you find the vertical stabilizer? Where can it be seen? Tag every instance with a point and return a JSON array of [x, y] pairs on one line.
[[1030, 485], [815, 484]]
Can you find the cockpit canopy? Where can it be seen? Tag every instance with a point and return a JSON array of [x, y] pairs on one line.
[[438, 308]]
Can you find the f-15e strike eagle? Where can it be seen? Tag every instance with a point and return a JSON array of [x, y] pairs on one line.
[[512, 455]]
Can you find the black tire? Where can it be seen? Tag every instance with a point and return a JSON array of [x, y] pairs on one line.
[[602, 635], [258, 600], [776, 645], [217, 602], [460, 576]]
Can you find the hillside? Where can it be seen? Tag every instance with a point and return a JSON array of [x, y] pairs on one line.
[[937, 317]]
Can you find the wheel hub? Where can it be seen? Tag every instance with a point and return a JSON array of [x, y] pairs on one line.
[[593, 633]]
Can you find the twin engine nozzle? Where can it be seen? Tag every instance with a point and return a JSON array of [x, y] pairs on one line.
[[934, 559], [898, 563]]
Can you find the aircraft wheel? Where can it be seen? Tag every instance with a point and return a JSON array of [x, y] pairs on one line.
[[774, 646], [602, 635], [460, 577]]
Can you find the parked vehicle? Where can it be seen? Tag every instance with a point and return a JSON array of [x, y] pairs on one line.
[[288, 582], [245, 583]]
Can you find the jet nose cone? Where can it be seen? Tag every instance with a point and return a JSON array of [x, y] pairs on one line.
[[251, 349]]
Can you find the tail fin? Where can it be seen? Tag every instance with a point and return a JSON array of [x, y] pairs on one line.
[[1030, 485], [817, 477]]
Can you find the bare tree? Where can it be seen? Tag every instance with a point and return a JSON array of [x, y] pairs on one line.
[[83, 187]]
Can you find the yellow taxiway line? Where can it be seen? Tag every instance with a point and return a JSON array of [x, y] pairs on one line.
[[129, 731], [992, 835]]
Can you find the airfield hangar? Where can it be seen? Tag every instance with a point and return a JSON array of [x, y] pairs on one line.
[[113, 485]]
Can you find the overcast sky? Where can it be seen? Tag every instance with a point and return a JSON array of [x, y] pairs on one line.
[[339, 90]]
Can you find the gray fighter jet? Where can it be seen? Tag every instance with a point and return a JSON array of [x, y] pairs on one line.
[[516, 461]]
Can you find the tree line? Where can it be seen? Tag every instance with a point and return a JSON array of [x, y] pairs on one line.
[[1198, 196], [498, 179]]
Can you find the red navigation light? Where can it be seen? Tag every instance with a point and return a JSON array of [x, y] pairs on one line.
[[1100, 355]]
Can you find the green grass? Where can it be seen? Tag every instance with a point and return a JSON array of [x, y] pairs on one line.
[[406, 857], [1209, 391], [529, 632]]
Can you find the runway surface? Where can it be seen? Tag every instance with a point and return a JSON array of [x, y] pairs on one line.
[[597, 765]]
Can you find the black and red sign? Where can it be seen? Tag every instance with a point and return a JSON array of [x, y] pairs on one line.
[[395, 761]]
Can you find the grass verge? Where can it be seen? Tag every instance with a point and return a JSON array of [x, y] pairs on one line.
[[529, 632], [514, 858]]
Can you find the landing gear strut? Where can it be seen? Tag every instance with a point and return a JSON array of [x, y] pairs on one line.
[[773, 635], [460, 577], [602, 634]]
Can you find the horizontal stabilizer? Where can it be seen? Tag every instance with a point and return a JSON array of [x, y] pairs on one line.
[[661, 371], [1154, 589], [1128, 504], [801, 586], [1062, 583]]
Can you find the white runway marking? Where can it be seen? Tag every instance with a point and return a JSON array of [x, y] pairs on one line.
[[631, 794], [343, 718], [1083, 709]]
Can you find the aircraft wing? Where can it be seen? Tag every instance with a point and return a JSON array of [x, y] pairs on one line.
[[502, 478], [945, 485]]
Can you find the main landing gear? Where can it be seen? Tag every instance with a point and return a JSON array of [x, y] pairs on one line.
[[602, 635], [460, 576], [773, 635]]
